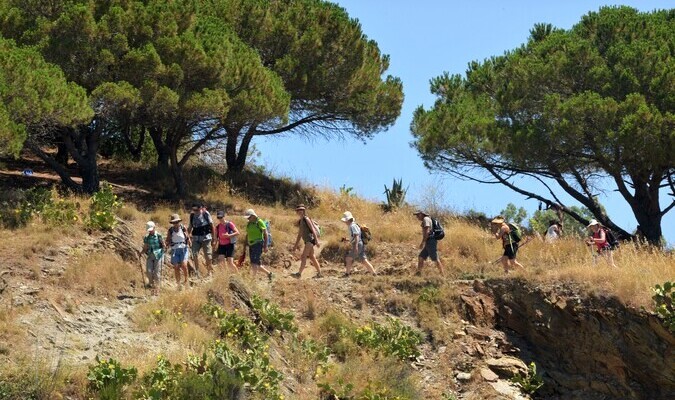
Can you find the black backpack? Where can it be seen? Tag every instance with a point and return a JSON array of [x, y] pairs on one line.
[[611, 238], [437, 231]]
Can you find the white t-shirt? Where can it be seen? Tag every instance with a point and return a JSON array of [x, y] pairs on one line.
[[178, 239], [552, 233], [354, 230]]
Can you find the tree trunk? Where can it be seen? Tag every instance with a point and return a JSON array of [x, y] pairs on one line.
[[90, 178], [163, 153], [236, 160], [61, 152], [177, 173], [648, 212]]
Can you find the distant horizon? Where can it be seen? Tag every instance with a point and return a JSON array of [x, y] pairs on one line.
[[424, 40]]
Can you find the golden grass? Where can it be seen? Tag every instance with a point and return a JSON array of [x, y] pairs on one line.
[[101, 274]]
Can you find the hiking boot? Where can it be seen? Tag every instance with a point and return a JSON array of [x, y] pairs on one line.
[[269, 276], [296, 275], [317, 276]]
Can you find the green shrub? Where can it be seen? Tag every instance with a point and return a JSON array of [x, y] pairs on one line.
[[104, 206], [272, 317], [162, 381], [530, 382], [18, 207], [394, 339], [108, 378], [664, 301], [60, 212]]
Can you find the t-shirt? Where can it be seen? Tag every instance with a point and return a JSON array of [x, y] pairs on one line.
[[178, 237], [223, 229], [201, 222], [552, 233], [154, 243], [354, 231], [426, 222], [305, 230], [254, 231]]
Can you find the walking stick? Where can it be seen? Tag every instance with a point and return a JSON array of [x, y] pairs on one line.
[[529, 239], [140, 265]]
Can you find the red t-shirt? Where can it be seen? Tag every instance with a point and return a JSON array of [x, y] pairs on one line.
[[222, 230]]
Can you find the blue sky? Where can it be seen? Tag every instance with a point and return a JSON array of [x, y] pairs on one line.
[[425, 38]]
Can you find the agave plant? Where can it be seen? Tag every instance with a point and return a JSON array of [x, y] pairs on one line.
[[395, 195]]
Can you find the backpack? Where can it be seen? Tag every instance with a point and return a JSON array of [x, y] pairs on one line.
[[515, 234], [317, 227], [611, 238], [268, 228], [437, 231], [366, 235], [169, 234]]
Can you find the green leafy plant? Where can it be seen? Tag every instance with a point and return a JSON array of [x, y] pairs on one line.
[[161, 381], [395, 195], [343, 390], [104, 206], [429, 294], [60, 212], [271, 316], [393, 339], [346, 191], [664, 302], [530, 382], [108, 378]]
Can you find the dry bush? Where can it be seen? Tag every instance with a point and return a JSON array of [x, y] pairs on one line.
[[101, 274]]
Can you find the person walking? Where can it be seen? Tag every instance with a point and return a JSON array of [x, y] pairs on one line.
[[203, 235], [599, 239], [429, 244], [256, 240], [357, 250], [154, 248], [178, 240], [553, 232], [502, 231], [227, 234], [307, 232]]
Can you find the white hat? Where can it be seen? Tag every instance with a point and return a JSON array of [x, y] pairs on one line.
[[250, 213], [593, 222], [150, 226], [346, 216]]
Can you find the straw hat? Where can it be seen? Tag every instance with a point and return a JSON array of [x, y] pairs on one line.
[[250, 213], [593, 222], [300, 207], [175, 218], [498, 220]]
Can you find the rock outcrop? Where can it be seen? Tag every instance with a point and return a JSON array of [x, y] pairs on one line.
[[586, 347]]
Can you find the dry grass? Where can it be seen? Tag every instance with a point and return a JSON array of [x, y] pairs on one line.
[[101, 274]]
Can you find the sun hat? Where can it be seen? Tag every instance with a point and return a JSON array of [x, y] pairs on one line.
[[300, 207], [175, 218], [150, 226], [593, 222], [418, 212], [346, 216], [498, 220], [250, 213], [220, 214]]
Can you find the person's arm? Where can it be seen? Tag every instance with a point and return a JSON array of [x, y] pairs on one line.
[[296, 246], [601, 237], [144, 250], [501, 232], [425, 235], [235, 231]]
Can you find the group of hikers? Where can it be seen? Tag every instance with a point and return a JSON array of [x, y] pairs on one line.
[[203, 235]]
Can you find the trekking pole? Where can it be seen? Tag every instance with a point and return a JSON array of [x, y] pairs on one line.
[[140, 265], [528, 240]]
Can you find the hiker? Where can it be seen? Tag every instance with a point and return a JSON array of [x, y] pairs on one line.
[[429, 244], [553, 232], [153, 248], [357, 250], [256, 240], [178, 240], [308, 233], [203, 236], [599, 239], [227, 234], [502, 231]]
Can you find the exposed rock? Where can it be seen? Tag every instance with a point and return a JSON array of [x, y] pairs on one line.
[[488, 375], [508, 390], [463, 376], [507, 367]]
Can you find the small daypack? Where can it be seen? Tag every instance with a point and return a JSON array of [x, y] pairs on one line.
[[170, 235], [611, 238], [317, 227], [515, 234], [268, 228], [437, 231], [366, 235]]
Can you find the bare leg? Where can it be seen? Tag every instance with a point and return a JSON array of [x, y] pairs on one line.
[[349, 261], [420, 264], [230, 263], [505, 264], [517, 264], [370, 266], [439, 265]]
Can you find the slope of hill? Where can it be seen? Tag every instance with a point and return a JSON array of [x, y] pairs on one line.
[[68, 295]]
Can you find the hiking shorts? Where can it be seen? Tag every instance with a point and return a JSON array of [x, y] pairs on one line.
[[179, 255], [202, 244], [360, 255], [430, 250], [153, 267], [511, 250], [255, 253], [226, 250]]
